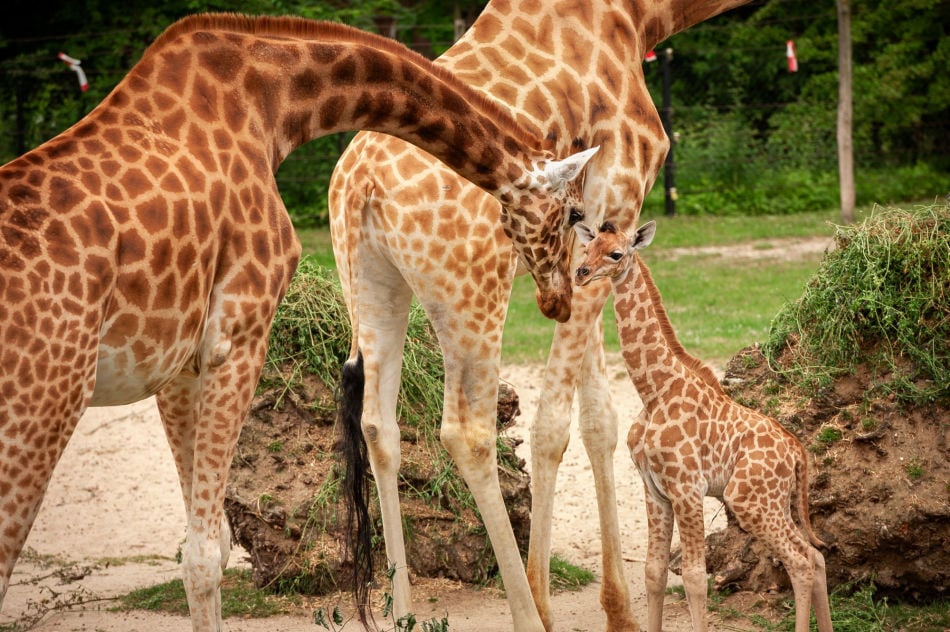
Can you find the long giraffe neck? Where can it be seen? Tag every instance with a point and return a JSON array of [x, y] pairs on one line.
[[285, 81], [659, 20], [658, 364]]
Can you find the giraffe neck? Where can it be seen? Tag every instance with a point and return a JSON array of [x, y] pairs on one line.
[[281, 82], [574, 71], [660, 19], [657, 363]]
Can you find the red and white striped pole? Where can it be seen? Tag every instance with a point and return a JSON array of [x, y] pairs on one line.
[[75, 67], [790, 54]]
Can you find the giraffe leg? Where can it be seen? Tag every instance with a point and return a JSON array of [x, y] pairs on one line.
[[598, 426], [178, 408], [468, 433], [577, 351], [36, 421], [203, 415], [550, 434], [819, 593], [759, 510], [688, 508], [382, 332], [29, 451], [656, 571]]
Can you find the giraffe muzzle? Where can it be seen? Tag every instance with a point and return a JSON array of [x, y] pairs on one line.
[[555, 305]]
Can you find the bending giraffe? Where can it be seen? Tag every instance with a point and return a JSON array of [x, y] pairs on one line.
[[574, 70], [145, 249], [692, 440]]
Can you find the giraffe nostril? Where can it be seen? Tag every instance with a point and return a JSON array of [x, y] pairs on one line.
[[582, 272]]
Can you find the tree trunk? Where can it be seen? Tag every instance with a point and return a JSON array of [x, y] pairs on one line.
[[845, 146]]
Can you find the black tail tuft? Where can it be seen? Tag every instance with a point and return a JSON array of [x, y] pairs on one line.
[[356, 487]]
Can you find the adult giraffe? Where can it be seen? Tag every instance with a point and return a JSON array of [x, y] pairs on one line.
[[572, 68], [145, 249]]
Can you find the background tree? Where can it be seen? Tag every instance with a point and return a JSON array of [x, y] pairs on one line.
[[754, 137]]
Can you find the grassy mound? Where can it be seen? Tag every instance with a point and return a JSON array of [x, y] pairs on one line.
[[880, 299]]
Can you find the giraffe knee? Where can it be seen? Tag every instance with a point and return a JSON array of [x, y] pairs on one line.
[[201, 562]]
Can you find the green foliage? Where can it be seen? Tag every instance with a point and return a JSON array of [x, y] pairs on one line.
[[311, 334], [881, 298], [567, 576], [754, 138], [239, 597]]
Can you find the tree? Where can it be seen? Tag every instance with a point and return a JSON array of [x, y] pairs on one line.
[[845, 149]]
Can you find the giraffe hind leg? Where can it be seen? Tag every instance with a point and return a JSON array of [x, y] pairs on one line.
[[203, 415], [760, 512], [382, 303]]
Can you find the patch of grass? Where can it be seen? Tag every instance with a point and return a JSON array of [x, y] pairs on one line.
[[829, 435], [914, 469], [881, 298], [567, 576], [855, 608], [239, 598]]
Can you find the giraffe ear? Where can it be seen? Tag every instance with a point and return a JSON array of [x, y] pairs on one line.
[[560, 172], [584, 233], [644, 236]]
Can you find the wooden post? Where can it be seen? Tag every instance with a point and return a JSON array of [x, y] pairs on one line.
[[669, 167], [845, 117]]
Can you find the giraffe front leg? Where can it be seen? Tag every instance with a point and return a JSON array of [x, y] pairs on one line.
[[203, 416], [656, 570], [688, 508], [550, 432], [598, 425], [179, 406]]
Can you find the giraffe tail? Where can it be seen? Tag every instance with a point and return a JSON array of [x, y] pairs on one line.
[[356, 485], [801, 474]]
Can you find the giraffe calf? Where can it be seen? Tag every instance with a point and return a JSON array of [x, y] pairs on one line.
[[692, 440]]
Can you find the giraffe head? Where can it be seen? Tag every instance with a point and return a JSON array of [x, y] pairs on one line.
[[609, 251], [537, 213]]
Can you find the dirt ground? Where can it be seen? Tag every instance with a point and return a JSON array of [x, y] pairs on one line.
[[113, 516]]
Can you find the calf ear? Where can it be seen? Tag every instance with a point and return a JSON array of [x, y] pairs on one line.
[[584, 233], [644, 236]]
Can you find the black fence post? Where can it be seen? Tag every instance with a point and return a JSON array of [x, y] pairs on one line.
[[669, 166]]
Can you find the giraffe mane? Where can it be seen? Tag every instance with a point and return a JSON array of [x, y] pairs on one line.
[[304, 28], [666, 328]]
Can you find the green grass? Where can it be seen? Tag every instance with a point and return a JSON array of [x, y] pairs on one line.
[[854, 608], [717, 305], [239, 597], [567, 576]]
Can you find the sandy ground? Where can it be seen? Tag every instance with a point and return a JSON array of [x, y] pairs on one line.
[[114, 513]]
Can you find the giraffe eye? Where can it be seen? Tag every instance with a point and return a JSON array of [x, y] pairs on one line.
[[574, 216], [616, 255]]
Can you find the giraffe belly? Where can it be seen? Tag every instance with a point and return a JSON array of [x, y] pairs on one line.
[[120, 379]]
